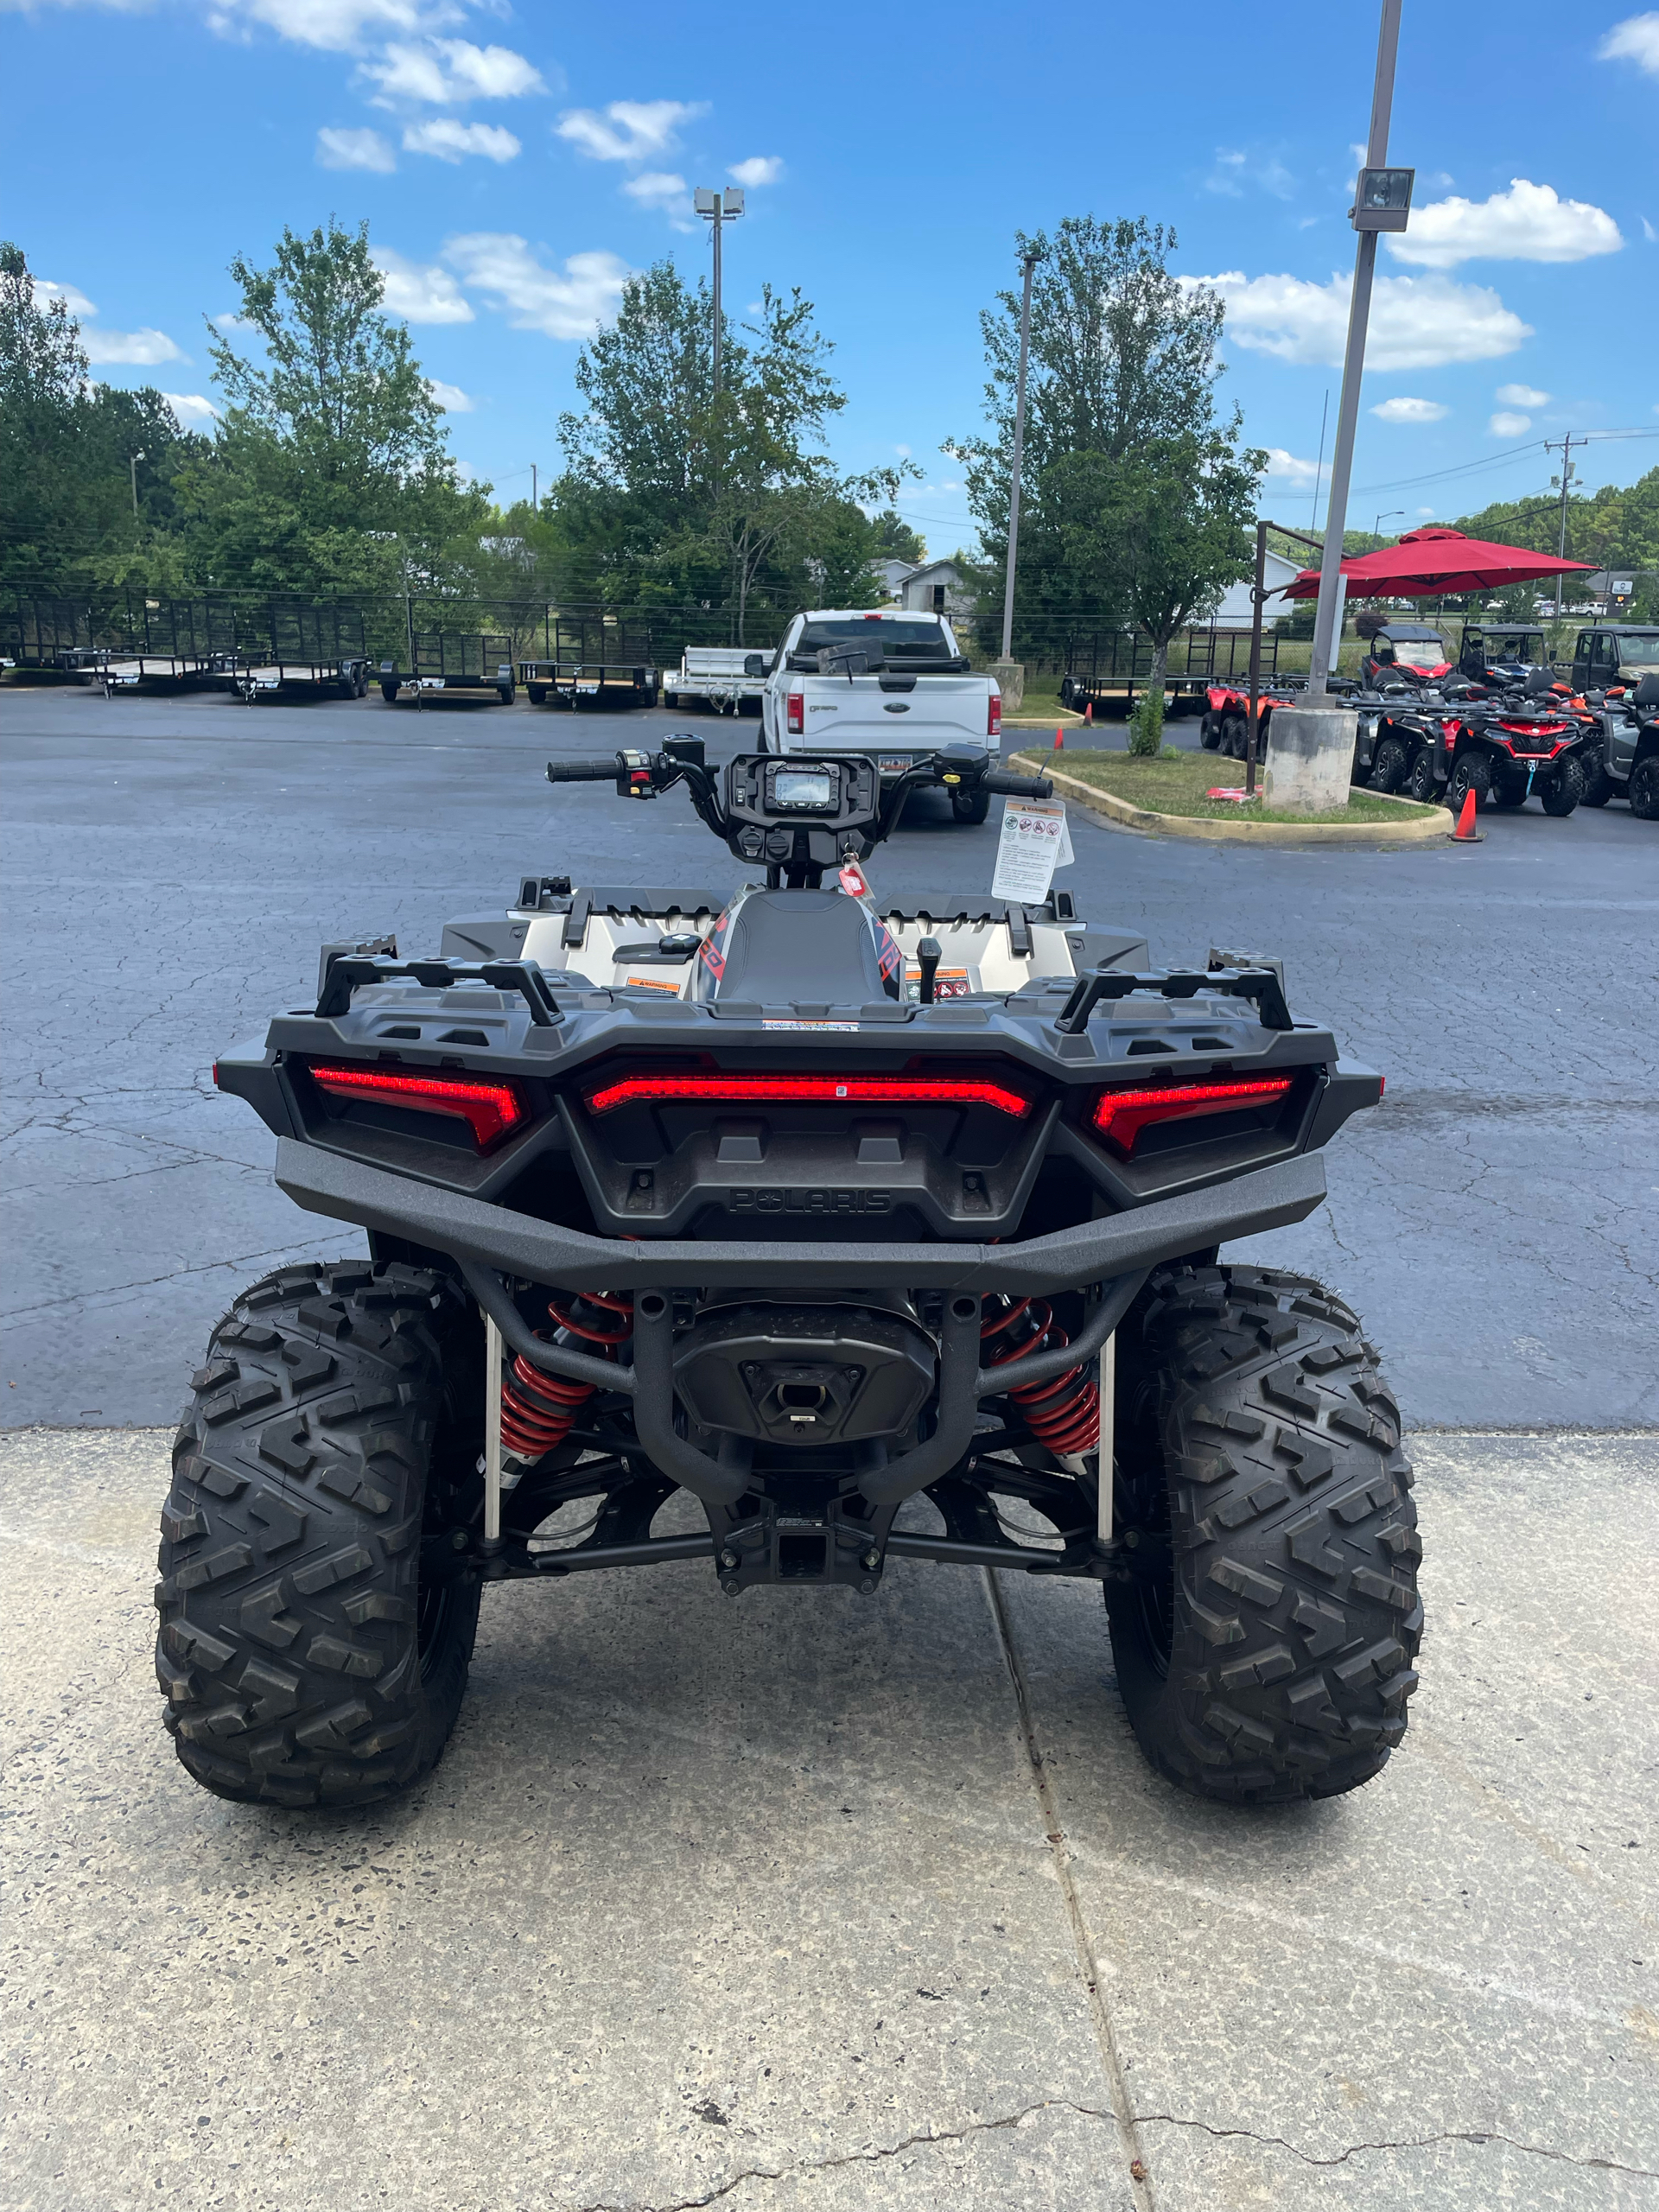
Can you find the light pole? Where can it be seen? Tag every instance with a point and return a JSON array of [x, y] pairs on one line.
[[1566, 443], [1031, 262], [1376, 527], [1381, 202], [132, 466], [718, 208]]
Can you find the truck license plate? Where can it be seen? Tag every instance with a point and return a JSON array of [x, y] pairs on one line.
[[893, 764]]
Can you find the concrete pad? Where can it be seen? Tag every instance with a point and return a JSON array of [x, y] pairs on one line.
[[765, 1902], [1443, 1990], [701, 1891]]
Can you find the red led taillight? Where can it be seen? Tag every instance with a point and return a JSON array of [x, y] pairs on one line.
[[994, 716], [809, 1090], [1120, 1116], [491, 1110], [796, 706]]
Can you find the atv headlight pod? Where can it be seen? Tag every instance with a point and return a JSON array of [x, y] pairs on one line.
[[493, 1109], [1120, 1116]]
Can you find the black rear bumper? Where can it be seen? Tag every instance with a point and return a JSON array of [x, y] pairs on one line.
[[517, 1244]]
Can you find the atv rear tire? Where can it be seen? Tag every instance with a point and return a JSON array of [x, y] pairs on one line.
[[312, 1650], [1264, 1654], [1643, 789], [1561, 796], [1422, 784], [1390, 765], [1471, 773]]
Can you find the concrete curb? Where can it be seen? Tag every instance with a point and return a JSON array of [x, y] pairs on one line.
[[1117, 814]]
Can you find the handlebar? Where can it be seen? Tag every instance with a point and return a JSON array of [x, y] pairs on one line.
[[584, 771], [998, 780]]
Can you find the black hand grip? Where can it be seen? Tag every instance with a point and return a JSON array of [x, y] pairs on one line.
[[997, 780], [584, 771]]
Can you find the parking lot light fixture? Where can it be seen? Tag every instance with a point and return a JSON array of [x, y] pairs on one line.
[[1031, 260], [1381, 201], [718, 208], [1376, 527], [132, 466]]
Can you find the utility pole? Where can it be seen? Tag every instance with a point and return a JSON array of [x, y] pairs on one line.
[[132, 466], [718, 208], [534, 493], [1381, 201], [1031, 260], [1566, 445]]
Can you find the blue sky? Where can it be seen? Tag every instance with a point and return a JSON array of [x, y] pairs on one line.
[[513, 162]]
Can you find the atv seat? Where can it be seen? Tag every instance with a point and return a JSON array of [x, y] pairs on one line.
[[1647, 692], [789, 945]]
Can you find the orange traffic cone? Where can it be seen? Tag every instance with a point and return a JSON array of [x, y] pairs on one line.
[[1465, 833], [1089, 713], [1059, 742]]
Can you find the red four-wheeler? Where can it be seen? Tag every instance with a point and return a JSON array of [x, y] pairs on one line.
[[1226, 722], [794, 1239], [1405, 653]]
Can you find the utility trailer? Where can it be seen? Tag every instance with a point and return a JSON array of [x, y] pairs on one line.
[[169, 641], [50, 638], [288, 650], [1114, 670], [717, 675], [472, 664], [586, 684]]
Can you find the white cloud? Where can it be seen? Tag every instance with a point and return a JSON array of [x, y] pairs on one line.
[[1527, 223], [1648, 232], [663, 189], [1636, 39], [421, 294], [334, 26], [1417, 322], [1235, 168], [75, 301], [1411, 411], [139, 349], [903, 452], [1284, 467], [191, 410], [629, 130], [355, 150], [1521, 395], [450, 397], [1505, 425], [571, 302], [446, 140], [759, 169], [451, 70]]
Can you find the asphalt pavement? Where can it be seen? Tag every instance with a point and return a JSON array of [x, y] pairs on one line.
[[172, 863]]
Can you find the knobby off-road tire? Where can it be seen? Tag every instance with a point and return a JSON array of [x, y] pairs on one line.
[[1390, 766], [1561, 796], [1470, 773], [1269, 1657], [304, 1658], [1643, 792], [1421, 783]]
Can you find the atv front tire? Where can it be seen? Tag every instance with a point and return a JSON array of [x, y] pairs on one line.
[[317, 1617], [1643, 789], [1265, 1640], [1471, 773], [1390, 766]]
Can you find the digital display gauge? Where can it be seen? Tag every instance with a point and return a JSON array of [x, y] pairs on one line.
[[804, 790]]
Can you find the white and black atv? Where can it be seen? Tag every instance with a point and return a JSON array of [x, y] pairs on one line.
[[886, 1234]]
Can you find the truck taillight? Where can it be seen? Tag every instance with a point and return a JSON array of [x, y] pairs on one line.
[[795, 704], [994, 716]]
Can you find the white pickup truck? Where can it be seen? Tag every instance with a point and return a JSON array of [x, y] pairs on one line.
[[890, 683]]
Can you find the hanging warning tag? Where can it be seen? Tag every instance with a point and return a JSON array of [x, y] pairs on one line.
[[1034, 843]]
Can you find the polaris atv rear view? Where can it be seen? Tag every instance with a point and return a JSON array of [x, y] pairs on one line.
[[831, 1236]]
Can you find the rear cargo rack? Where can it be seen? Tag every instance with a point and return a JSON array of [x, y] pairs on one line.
[[349, 972], [1259, 985]]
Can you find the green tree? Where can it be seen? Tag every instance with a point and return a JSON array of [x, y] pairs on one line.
[[67, 520], [895, 540], [1122, 359], [330, 472], [1183, 513]]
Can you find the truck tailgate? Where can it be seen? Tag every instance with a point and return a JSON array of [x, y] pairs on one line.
[[858, 716]]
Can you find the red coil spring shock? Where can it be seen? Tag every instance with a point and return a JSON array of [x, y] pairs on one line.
[[1062, 1413], [538, 1410]]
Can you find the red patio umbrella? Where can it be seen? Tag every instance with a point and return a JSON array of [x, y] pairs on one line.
[[1434, 560]]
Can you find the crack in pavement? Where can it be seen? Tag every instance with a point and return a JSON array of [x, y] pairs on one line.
[[1477, 2135], [851, 2157]]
